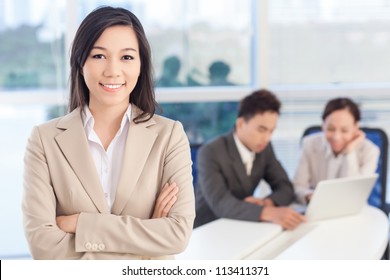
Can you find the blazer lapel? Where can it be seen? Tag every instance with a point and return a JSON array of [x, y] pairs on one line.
[[74, 146], [257, 170], [139, 143]]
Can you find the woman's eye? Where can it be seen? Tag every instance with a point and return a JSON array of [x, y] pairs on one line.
[[98, 56], [128, 57]]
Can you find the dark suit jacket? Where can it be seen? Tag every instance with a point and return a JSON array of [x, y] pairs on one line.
[[223, 183]]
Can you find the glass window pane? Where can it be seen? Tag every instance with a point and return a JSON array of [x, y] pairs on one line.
[[32, 68], [196, 42], [32, 51], [329, 42], [17, 121], [203, 121]]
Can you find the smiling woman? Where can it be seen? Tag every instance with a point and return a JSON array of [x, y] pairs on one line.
[[111, 72], [341, 150], [110, 180]]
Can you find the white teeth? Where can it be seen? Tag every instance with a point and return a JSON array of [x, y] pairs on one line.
[[113, 86]]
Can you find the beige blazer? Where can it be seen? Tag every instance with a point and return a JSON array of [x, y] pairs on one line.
[[60, 178]]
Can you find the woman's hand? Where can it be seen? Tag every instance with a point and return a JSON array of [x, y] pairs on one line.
[[356, 141], [67, 223], [308, 197], [165, 200]]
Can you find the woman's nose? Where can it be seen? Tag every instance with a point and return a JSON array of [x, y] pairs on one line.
[[112, 69], [336, 136]]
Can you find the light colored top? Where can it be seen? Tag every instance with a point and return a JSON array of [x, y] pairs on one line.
[[317, 162], [108, 163], [246, 155]]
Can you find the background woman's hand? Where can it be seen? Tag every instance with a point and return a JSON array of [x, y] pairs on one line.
[[308, 197], [165, 200], [355, 142]]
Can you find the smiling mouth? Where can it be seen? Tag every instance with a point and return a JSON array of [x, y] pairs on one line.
[[111, 86]]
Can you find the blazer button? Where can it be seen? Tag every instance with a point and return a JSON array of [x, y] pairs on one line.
[[94, 246], [101, 246], [88, 246]]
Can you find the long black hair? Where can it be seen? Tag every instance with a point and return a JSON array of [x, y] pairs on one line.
[[90, 29]]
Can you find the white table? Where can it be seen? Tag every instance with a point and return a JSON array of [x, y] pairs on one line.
[[361, 236], [228, 239]]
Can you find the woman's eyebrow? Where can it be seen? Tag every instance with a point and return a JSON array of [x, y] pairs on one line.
[[104, 49]]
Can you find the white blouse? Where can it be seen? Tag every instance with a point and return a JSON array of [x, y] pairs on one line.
[[108, 163]]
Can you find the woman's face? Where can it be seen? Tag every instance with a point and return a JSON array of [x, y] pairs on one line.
[[112, 68], [340, 128]]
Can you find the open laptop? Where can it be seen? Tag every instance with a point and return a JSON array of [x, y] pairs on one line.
[[340, 197]]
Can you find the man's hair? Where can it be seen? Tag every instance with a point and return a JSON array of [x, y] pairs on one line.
[[341, 104], [259, 101]]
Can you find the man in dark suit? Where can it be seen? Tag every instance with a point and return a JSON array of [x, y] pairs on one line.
[[231, 166]]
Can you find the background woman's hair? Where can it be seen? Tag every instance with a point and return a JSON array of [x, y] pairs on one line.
[[341, 103]]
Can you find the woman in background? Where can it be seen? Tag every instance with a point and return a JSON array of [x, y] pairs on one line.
[[110, 180], [341, 150]]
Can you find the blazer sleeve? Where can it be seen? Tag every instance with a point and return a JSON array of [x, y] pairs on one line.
[[277, 178], [149, 237], [45, 239]]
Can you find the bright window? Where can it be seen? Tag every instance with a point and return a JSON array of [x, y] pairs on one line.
[[329, 42]]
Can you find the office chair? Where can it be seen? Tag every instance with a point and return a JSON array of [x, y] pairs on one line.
[[194, 153], [378, 137], [377, 197]]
